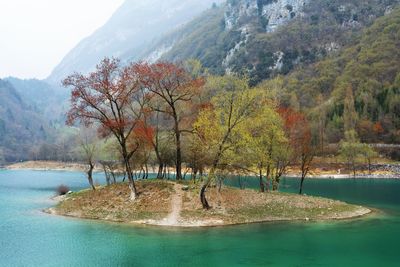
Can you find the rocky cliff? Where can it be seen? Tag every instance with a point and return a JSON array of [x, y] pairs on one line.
[[272, 13]]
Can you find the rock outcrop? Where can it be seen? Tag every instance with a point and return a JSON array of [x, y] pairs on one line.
[[272, 13]]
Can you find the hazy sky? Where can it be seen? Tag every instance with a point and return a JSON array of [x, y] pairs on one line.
[[36, 34]]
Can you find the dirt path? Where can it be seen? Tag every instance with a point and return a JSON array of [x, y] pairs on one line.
[[176, 205], [174, 218]]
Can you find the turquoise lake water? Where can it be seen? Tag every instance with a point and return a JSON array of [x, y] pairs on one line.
[[29, 237]]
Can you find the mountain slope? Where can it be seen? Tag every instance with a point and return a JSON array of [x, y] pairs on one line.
[[316, 53], [371, 69], [263, 38], [132, 28], [21, 126], [50, 100]]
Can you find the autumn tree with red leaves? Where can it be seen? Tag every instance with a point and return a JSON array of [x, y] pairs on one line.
[[144, 136], [298, 131], [174, 89], [305, 151], [153, 118], [112, 99]]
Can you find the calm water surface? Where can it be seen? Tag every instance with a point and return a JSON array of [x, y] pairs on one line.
[[30, 238]]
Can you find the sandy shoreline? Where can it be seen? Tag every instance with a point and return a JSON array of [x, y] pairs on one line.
[[78, 167], [363, 212], [48, 166], [347, 176]]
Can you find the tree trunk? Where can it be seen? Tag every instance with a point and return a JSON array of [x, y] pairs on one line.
[[275, 184], [194, 174], [301, 184], [160, 171], [165, 171], [128, 169], [262, 187], [186, 172], [178, 146], [219, 185], [106, 174], [144, 173], [90, 176], [268, 177], [369, 166], [178, 157], [132, 187], [240, 182], [207, 183], [113, 176], [203, 199]]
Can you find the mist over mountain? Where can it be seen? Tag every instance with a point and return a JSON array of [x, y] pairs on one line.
[[132, 28], [22, 126], [50, 100]]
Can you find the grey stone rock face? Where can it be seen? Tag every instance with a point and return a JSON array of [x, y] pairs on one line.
[[273, 12]]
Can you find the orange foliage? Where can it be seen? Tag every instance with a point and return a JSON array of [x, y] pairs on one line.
[[297, 129], [378, 129], [144, 133]]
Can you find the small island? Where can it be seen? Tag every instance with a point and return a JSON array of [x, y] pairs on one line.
[[175, 204]]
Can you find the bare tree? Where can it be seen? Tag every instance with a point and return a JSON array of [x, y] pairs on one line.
[[89, 148], [112, 97], [176, 89]]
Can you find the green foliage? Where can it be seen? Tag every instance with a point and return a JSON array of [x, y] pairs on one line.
[[353, 151], [263, 140], [333, 46], [368, 152], [350, 149], [239, 124], [349, 114], [242, 131], [358, 85]]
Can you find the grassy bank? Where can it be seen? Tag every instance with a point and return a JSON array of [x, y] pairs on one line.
[[166, 203]]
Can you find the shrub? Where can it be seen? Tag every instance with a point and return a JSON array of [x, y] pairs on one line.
[[62, 190]]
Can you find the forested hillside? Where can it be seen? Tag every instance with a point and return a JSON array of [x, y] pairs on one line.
[[265, 38], [368, 72], [21, 126], [318, 53]]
